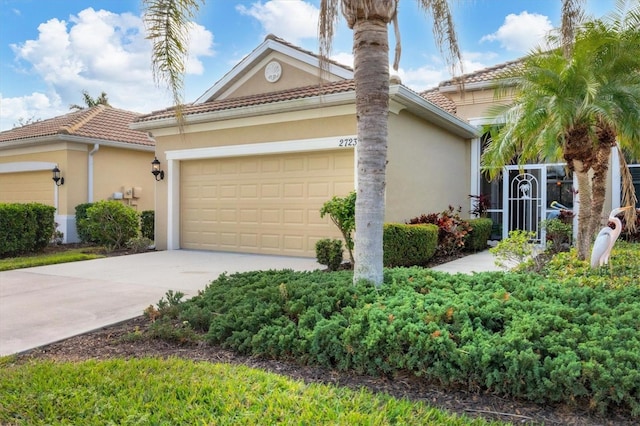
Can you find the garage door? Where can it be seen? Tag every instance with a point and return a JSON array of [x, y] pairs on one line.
[[26, 187], [262, 204]]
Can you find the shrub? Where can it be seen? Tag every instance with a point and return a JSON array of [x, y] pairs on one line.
[[408, 245], [81, 222], [559, 235], [329, 253], [25, 227], [481, 205], [342, 212], [521, 335], [139, 244], [479, 234], [515, 250], [452, 230], [111, 223], [147, 224]]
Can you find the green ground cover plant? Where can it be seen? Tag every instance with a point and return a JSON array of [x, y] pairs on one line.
[[522, 335], [179, 392]]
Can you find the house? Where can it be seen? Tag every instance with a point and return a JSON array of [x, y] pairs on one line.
[[96, 154], [523, 196], [268, 144]]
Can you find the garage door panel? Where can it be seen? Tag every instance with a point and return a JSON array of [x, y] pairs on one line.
[[27, 187], [262, 204]]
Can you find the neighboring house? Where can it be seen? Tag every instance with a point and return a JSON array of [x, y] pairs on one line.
[[98, 156], [267, 145], [524, 199]]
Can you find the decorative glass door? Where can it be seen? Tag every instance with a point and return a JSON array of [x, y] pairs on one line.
[[524, 200]]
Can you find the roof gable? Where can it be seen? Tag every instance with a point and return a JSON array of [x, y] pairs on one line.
[[299, 68], [99, 123]]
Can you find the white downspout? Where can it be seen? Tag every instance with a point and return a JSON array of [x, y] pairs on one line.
[[95, 149]]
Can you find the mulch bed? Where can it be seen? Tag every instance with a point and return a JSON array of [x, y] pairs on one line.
[[115, 342]]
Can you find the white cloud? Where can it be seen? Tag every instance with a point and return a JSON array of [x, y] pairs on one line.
[[35, 106], [343, 58], [430, 75], [521, 33], [98, 51], [291, 20]]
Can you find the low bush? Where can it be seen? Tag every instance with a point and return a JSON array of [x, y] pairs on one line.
[[342, 211], [139, 244], [478, 236], [111, 223], [521, 335], [329, 253], [408, 245], [452, 230], [559, 235], [147, 224], [25, 227], [81, 222]]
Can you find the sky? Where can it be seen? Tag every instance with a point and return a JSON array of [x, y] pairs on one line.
[[53, 50]]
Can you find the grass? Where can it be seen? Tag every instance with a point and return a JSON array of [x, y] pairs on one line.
[[176, 392], [72, 255]]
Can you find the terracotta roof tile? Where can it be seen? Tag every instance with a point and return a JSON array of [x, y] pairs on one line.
[[285, 95], [440, 100], [99, 122], [252, 100], [486, 74]]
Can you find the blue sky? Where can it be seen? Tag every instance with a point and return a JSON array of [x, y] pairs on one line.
[[52, 50]]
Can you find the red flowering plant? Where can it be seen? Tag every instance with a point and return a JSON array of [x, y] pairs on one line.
[[452, 229]]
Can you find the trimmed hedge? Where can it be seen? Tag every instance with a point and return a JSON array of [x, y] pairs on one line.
[[476, 240], [111, 223], [408, 245], [25, 227]]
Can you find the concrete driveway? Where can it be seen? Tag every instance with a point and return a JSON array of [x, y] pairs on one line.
[[45, 304]]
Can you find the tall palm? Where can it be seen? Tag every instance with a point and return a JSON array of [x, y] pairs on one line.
[[573, 108], [91, 102]]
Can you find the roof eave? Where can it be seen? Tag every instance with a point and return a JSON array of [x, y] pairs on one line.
[[332, 99], [76, 139], [432, 113]]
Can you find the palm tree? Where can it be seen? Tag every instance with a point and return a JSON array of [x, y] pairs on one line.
[[574, 108], [369, 19], [91, 102]]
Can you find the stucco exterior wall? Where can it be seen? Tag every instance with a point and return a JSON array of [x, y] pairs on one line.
[[294, 74], [285, 127], [474, 104], [428, 169]]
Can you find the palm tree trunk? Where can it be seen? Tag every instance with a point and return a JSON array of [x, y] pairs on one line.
[[371, 63], [583, 243], [606, 139]]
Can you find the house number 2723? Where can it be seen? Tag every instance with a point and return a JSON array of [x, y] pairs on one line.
[[348, 142]]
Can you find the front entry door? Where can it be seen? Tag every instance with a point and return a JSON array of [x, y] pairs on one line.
[[524, 195]]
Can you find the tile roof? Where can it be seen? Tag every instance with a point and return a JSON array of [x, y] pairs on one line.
[[98, 122], [486, 74], [344, 86], [440, 100], [308, 52], [253, 100]]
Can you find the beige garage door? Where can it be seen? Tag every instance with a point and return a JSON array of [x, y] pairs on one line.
[[26, 187], [262, 204]]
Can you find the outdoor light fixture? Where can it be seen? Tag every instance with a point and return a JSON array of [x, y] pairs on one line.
[[155, 169], [56, 176]]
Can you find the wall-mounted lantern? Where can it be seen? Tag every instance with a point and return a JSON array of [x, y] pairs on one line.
[[155, 169], [59, 180]]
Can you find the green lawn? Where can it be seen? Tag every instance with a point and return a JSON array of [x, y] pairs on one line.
[[179, 392], [72, 255]]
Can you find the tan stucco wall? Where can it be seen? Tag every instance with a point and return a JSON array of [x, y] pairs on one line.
[[117, 171], [295, 74], [428, 169], [113, 169], [474, 104], [278, 132]]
